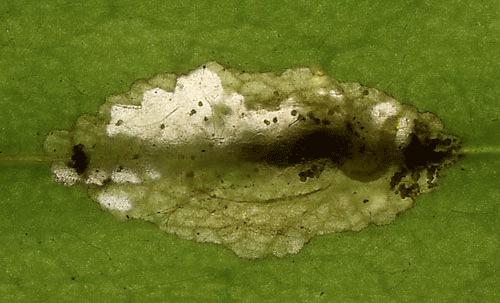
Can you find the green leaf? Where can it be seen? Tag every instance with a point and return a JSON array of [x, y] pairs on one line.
[[61, 59]]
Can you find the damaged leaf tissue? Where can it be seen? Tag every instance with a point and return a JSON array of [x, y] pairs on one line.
[[257, 162]]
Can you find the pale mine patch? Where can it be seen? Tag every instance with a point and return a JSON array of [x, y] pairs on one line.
[[259, 163], [116, 200], [172, 110]]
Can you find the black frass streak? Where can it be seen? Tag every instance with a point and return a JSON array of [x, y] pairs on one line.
[[420, 153], [79, 160], [342, 147], [300, 147], [346, 149]]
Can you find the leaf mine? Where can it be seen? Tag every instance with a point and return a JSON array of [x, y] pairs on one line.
[[260, 163]]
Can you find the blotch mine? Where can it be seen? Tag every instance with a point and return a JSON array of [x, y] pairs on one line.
[[257, 162]]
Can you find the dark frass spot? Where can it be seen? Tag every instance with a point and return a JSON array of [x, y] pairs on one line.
[[313, 172], [79, 159], [421, 152]]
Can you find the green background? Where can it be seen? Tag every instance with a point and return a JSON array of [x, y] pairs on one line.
[[59, 59]]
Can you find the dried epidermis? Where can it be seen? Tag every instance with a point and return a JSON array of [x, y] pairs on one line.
[[260, 163]]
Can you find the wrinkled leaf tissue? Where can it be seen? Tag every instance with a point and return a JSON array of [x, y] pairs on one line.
[[259, 163]]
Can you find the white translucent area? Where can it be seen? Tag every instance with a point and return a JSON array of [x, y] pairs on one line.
[[64, 174], [153, 174], [100, 176], [194, 109], [404, 130], [114, 200], [97, 177], [336, 94], [125, 176], [263, 122], [382, 111]]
